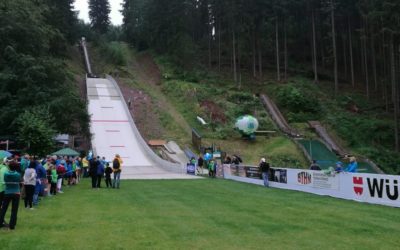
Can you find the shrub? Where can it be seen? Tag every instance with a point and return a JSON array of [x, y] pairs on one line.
[[296, 100], [115, 53]]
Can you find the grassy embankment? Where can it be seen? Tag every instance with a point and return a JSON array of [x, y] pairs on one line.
[[179, 98], [201, 214], [183, 95]]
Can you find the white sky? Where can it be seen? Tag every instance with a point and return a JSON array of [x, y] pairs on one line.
[[115, 15]]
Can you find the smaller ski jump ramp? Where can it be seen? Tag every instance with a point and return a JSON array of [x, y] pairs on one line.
[[114, 132], [277, 116]]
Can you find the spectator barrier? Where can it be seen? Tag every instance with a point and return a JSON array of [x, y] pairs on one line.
[[369, 188]]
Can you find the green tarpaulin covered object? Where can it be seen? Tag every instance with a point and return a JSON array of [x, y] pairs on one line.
[[66, 152]]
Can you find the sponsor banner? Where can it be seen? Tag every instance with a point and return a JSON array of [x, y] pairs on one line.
[[370, 188], [325, 181], [279, 175], [191, 169], [252, 172], [374, 188]]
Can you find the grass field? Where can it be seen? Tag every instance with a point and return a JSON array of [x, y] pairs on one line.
[[201, 214]]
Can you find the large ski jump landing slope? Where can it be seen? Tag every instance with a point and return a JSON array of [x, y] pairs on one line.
[[113, 132]]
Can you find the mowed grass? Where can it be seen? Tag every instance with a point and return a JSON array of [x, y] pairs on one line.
[[201, 214]]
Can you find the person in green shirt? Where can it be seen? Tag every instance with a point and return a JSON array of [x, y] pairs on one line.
[[25, 161], [3, 170], [211, 168], [12, 194], [54, 177]]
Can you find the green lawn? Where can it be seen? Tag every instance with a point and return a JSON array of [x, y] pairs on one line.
[[201, 214]]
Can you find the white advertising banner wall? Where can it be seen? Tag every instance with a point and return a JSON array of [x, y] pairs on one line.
[[370, 188]]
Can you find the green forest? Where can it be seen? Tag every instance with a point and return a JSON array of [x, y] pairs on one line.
[[331, 60], [38, 95]]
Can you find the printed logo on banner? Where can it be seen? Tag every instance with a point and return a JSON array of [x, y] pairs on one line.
[[191, 169], [377, 187], [358, 185], [304, 178]]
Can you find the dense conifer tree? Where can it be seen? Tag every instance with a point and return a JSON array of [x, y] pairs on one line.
[[99, 11]]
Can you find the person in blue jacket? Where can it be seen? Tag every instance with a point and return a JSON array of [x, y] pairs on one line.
[[40, 182], [353, 165], [100, 172]]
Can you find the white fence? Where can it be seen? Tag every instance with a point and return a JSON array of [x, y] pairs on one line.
[[370, 188]]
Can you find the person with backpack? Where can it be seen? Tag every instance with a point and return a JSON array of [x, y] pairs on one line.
[[264, 168], [60, 175], [117, 165]]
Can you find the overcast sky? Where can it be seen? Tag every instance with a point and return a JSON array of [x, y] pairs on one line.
[[115, 15]]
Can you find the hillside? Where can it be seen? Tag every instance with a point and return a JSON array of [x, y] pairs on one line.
[[166, 110], [167, 100]]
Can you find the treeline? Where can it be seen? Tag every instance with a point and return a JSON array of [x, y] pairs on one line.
[[350, 42], [38, 96]]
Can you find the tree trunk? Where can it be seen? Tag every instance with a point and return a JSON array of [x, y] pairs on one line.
[[219, 46], [286, 50], [254, 55], [239, 68], [260, 62], [314, 54], [373, 57], [234, 56], [351, 54], [361, 64], [383, 73], [366, 57], [394, 93], [344, 55], [335, 66], [278, 73], [209, 45]]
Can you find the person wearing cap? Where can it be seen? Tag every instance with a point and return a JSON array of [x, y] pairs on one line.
[[12, 193], [264, 168], [353, 165]]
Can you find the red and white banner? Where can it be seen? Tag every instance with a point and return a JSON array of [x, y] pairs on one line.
[[370, 188]]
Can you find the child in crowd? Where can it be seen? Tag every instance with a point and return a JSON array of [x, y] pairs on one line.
[[211, 168], [108, 173]]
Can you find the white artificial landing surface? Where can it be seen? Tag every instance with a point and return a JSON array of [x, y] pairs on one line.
[[112, 133]]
